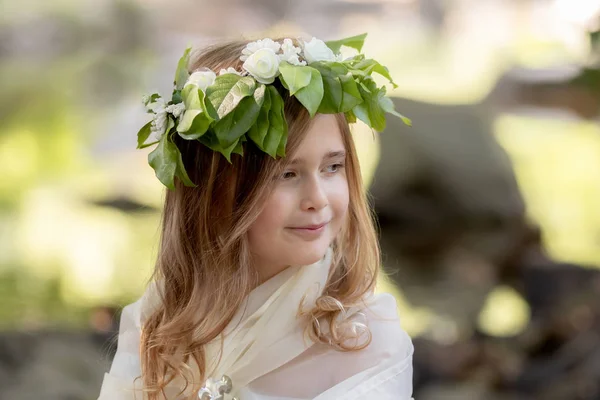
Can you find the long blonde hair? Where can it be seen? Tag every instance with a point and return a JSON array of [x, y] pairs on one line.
[[203, 261]]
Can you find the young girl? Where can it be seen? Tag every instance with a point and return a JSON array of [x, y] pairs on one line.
[[264, 283]]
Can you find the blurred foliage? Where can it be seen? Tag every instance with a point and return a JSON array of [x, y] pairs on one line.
[[589, 77], [557, 164], [61, 69]]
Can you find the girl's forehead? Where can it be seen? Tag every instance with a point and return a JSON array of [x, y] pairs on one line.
[[322, 137], [332, 154]]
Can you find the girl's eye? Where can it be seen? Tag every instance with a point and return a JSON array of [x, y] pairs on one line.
[[288, 175], [334, 168]]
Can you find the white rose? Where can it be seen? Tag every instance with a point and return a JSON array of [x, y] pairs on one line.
[[202, 79], [317, 50], [290, 53], [263, 65], [253, 47]]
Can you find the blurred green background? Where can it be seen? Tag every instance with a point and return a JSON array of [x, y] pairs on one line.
[[79, 206]]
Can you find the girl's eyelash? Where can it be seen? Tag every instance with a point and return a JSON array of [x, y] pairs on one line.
[[338, 166]]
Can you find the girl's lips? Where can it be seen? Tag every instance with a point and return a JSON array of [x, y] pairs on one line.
[[309, 232], [310, 227]]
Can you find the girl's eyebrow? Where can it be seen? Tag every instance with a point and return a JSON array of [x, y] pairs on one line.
[[328, 156]]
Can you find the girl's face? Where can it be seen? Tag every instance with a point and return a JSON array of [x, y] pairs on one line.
[[308, 204]]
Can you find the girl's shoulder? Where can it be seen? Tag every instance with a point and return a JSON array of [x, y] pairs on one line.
[[388, 339], [325, 370], [134, 314]]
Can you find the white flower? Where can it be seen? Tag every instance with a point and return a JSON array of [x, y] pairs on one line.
[[253, 47], [317, 50], [175, 109], [158, 126], [202, 79], [290, 53], [157, 105], [230, 70], [214, 389], [159, 121], [263, 65]]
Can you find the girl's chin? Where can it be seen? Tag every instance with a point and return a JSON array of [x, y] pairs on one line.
[[308, 255]]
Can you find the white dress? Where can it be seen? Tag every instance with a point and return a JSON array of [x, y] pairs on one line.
[[268, 357]]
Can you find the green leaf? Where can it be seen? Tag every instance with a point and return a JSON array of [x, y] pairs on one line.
[[143, 135], [388, 106], [357, 73], [212, 142], [350, 94], [368, 84], [176, 97], [187, 119], [193, 98], [333, 68], [332, 87], [282, 144], [170, 124], [146, 130], [163, 159], [238, 149], [150, 99], [355, 42], [353, 61], [228, 91], [370, 110], [294, 77], [278, 128], [258, 131], [199, 124], [180, 171], [229, 129], [259, 94], [311, 96], [196, 119], [182, 74], [368, 66], [350, 117]]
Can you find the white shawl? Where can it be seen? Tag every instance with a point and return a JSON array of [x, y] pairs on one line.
[[267, 355]]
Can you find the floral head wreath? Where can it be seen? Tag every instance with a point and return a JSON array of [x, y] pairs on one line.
[[226, 110]]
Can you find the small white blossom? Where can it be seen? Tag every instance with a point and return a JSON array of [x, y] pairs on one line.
[[317, 50], [229, 70], [202, 79], [253, 47], [159, 121], [157, 105], [214, 389], [290, 53], [158, 126], [263, 65], [175, 109], [145, 99]]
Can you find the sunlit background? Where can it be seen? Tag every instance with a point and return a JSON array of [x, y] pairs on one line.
[[504, 96]]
